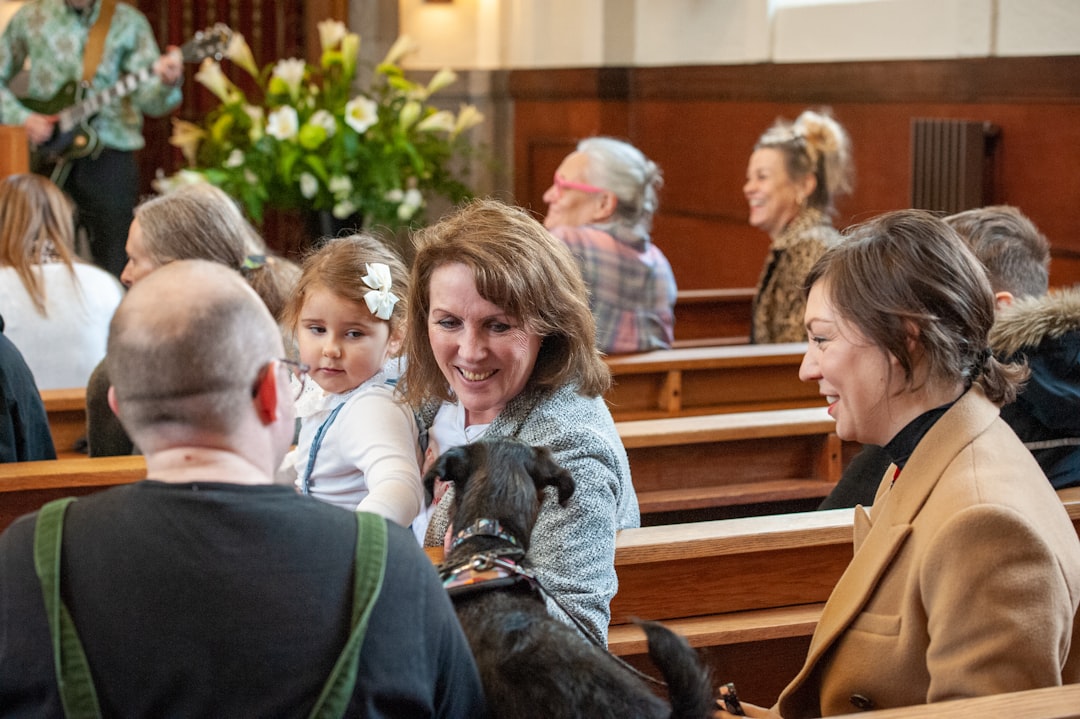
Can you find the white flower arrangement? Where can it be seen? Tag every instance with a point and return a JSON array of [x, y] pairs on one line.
[[314, 141]]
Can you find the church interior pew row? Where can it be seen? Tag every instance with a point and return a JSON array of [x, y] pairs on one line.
[[730, 465], [649, 385], [705, 318], [684, 468], [709, 380], [747, 593]]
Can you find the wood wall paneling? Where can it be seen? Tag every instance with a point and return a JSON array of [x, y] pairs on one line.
[[700, 124]]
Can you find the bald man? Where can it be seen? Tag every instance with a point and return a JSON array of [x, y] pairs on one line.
[[207, 590]]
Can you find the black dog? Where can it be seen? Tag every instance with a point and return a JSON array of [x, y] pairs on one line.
[[531, 664]]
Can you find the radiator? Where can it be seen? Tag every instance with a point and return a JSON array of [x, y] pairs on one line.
[[951, 164]]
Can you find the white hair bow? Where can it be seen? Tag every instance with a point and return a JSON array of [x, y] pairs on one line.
[[380, 300]]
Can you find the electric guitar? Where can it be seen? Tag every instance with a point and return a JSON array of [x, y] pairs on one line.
[[73, 137]]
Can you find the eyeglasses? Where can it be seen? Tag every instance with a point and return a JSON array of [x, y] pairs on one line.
[[563, 184], [299, 371]]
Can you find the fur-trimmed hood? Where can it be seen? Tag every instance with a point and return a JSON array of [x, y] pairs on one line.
[[1031, 320]]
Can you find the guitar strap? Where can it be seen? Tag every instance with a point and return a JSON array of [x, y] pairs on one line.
[[95, 40]]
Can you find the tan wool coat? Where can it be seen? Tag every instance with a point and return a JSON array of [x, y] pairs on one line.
[[965, 580]]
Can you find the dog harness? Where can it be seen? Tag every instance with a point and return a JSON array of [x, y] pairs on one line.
[[73, 679], [491, 569]]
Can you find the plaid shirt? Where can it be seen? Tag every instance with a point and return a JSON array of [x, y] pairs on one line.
[[52, 36], [631, 287]]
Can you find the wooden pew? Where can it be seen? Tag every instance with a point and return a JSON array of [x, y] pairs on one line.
[[730, 465], [709, 380], [26, 486], [684, 468], [705, 318], [747, 593], [1047, 703], [66, 409]]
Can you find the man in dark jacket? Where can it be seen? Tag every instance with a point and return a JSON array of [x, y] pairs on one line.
[[24, 426]]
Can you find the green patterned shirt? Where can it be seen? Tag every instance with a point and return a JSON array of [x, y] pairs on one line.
[[52, 36]]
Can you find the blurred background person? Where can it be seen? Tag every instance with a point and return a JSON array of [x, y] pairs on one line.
[[795, 173], [601, 204], [57, 307]]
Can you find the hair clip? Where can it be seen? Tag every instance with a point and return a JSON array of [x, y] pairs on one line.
[[380, 300], [253, 262]]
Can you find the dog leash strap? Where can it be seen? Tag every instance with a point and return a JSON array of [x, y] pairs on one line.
[[368, 573], [73, 679]]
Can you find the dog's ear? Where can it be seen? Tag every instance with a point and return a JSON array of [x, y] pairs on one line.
[[453, 465], [546, 472]]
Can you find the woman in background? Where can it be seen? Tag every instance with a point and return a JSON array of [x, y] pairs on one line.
[[57, 308], [795, 173], [193, 222]]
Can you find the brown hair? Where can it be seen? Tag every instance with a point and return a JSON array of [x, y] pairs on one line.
[[520, 267], [339, 266], [36, 224], [907, 276], [1016, 255]]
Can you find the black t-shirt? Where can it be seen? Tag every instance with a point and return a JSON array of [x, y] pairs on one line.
[[214, 599]]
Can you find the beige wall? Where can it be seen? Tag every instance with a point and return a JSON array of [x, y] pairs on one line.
[[493, 34]]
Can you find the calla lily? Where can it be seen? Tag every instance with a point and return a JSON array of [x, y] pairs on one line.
[[331, 32], [283, 123], [443, 78], [410, 113], [468, 117], [239, 53], [213, 79], [187, 136], [291, 72], [350, 50], [361, 113], [258, 122], [401, 47], [441, 121]]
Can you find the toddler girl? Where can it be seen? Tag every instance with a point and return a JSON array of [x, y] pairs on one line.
[[358, 445]]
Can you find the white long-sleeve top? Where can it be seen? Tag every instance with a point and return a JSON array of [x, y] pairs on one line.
[[63, 346], [369, 458]]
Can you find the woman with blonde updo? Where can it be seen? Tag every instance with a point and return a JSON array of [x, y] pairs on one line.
[[795, 173]]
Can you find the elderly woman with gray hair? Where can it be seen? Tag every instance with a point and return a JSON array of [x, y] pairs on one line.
[[601, 204]]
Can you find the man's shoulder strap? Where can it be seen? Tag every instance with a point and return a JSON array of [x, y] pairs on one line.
[[95, 40], [368, 571], [73, 678]]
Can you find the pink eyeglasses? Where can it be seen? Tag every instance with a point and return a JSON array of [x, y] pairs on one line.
[[563, 184]]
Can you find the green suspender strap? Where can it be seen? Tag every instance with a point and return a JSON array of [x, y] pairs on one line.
[[72, 670], [368, 572]]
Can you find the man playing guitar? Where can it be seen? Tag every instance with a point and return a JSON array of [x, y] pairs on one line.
[[65, 40]]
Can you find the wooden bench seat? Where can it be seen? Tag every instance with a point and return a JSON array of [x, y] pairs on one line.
[[26, 486], [711, 317], [727, 465], [66, 409], [709, 380]]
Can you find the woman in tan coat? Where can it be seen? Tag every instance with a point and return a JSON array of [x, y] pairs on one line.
[[966, 574]]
